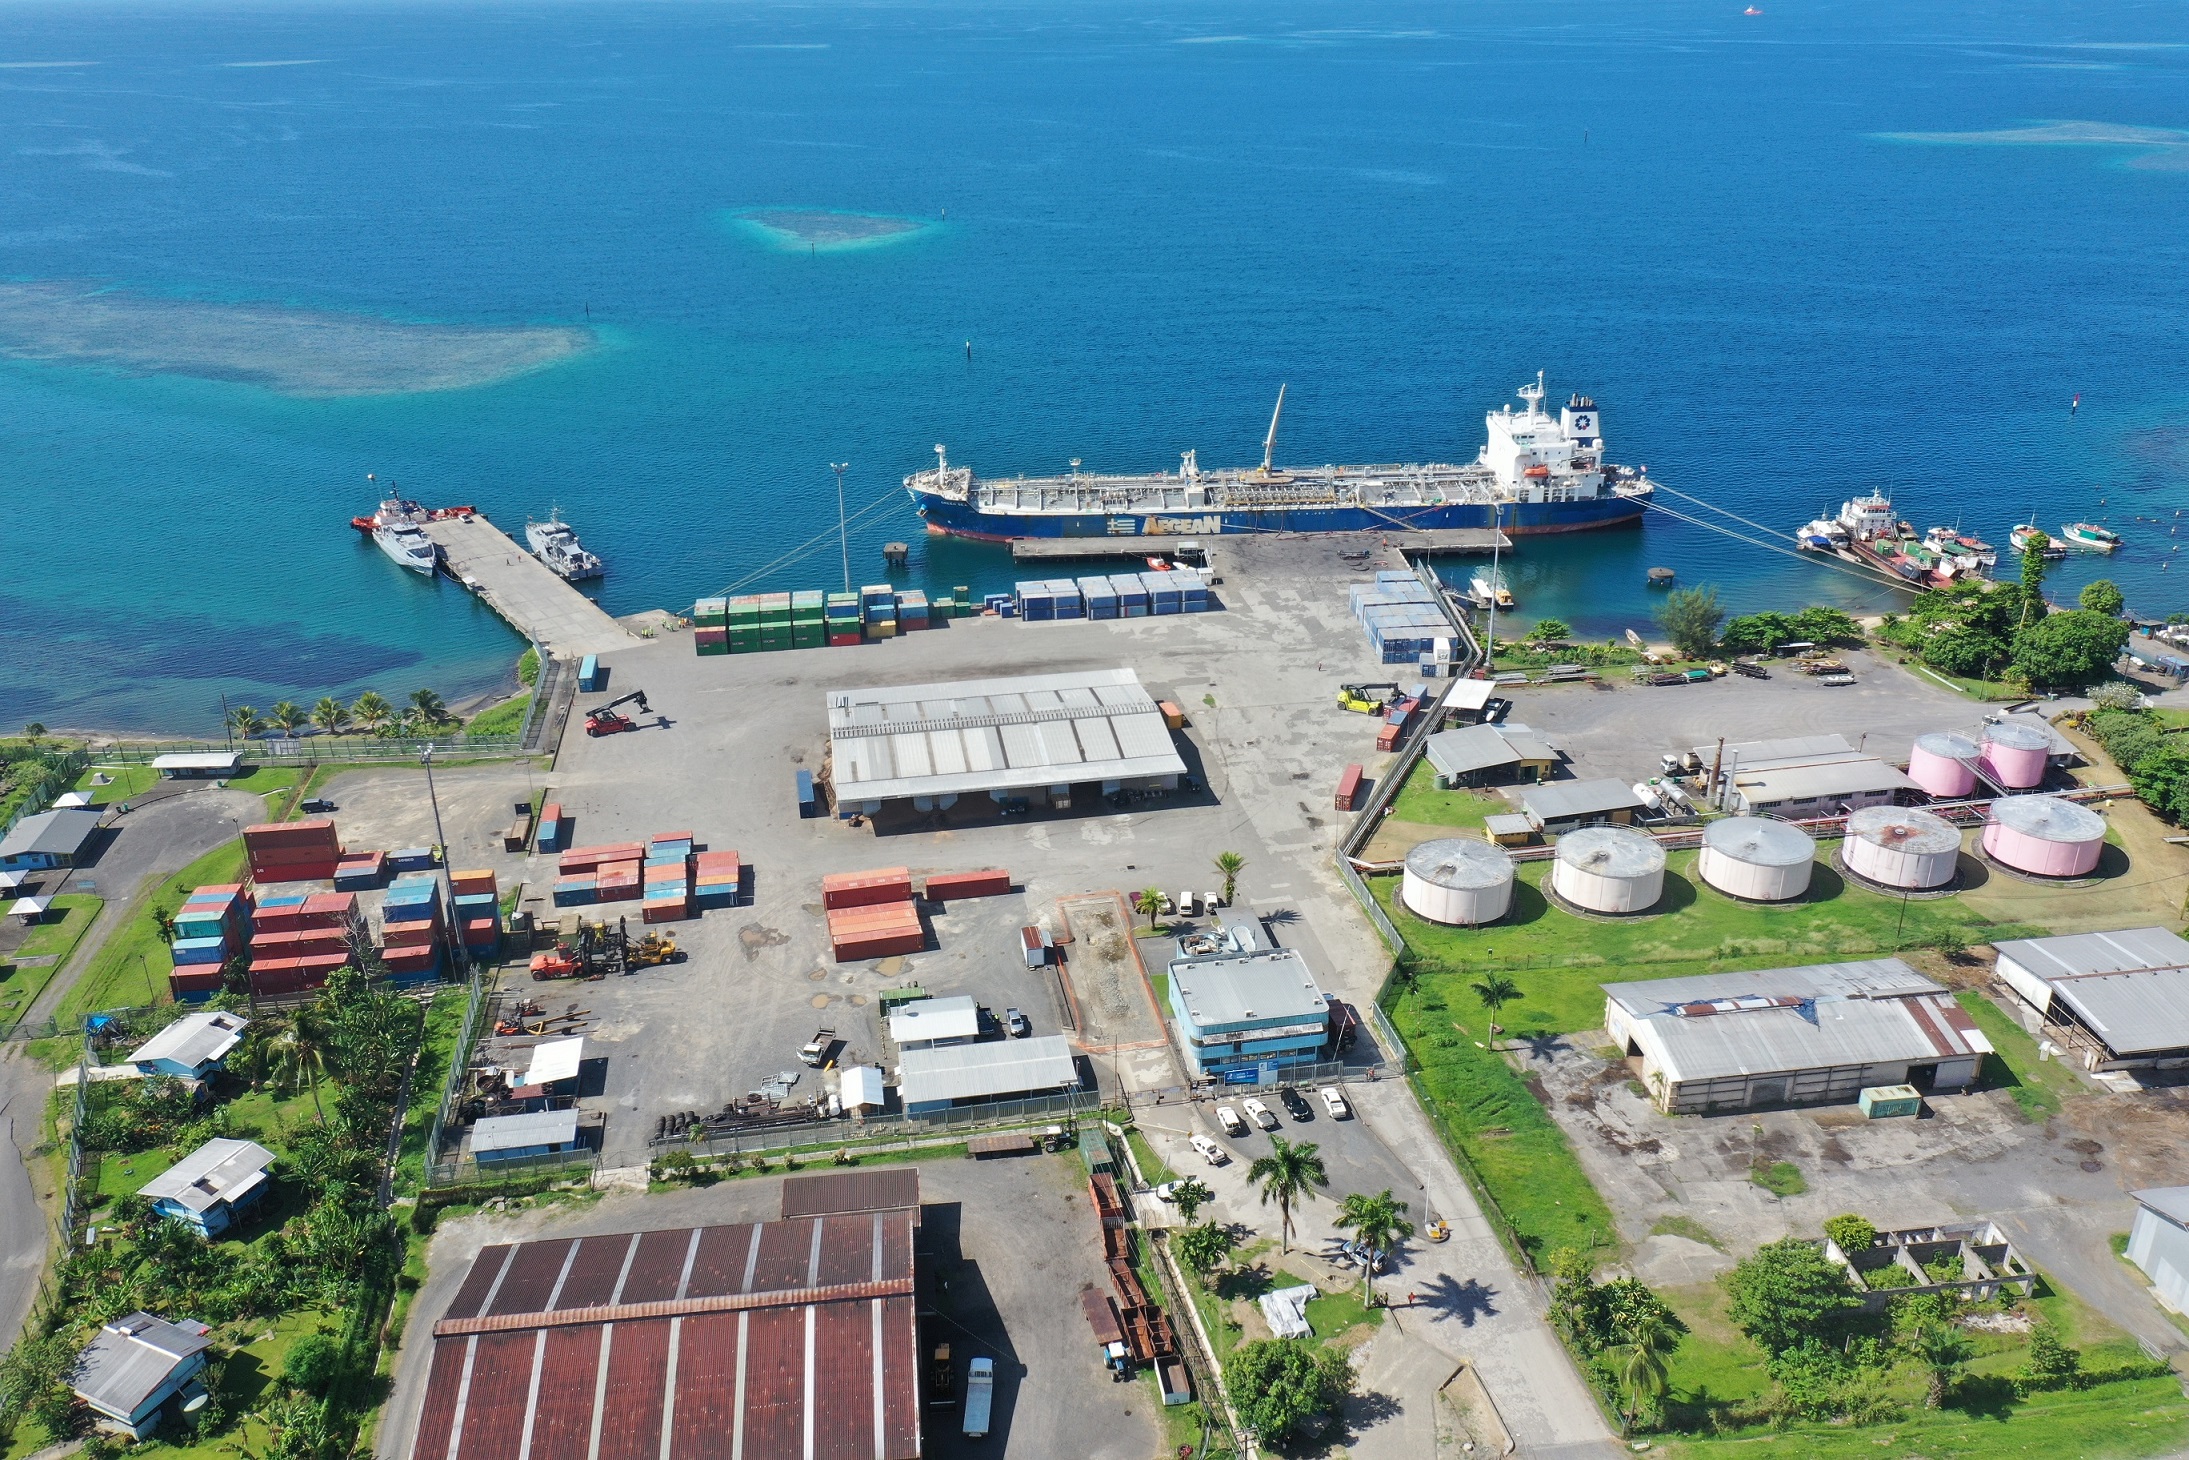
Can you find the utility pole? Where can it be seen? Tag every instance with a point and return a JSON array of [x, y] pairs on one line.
[[843, 534], [445, 889], [1497, 540]]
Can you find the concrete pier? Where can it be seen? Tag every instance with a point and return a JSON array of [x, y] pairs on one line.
[[523, 590]]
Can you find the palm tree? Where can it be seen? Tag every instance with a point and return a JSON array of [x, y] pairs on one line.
[[1231, 864], [245, 721], [1150, 901], [372, 710], [1495, 991], [1379, 1223], [1941, 1350], [300, 1053], [36, 731], [1189, 1196], [1643, 1370], [287, 716], [429, 706], [330, 715], [1287, 1174]]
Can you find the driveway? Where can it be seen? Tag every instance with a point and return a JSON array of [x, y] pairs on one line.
[[153, 841]]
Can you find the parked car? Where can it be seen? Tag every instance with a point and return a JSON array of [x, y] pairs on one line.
[[318, 806], [1230, 1121], [1295, 1104], [1362, 1253], [1017, 1024], [1334, 1102], [1494, 710], [1260, 1114], [1212, 1153]]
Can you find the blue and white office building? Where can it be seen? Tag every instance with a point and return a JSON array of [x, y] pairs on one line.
[[1238, 1011]]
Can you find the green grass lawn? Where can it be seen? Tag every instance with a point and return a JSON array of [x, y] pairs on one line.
[[1152, 1166], [506, 718], [20, 986], [444, 1022], [1334, 1316], [1422, 800], [2038, 1086], [132, 965], [123, 783]]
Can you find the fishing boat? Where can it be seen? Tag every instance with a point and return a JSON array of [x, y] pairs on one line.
[[1962, 555], [2090, 535], [1488, 586], [2027, 533]]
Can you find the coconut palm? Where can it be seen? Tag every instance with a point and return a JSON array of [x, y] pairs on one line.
[[1189, 1196], [330, 715], [1941, 1349], [299, 1052], [429, 706], [287, 716], [1643, 1365], [1150, 901], [1287, 1174], [1378, 1223], [245, 721], [372, 710], [1231, 864], [1495, 991]]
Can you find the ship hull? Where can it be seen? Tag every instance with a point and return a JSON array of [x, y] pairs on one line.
[[960, 519]]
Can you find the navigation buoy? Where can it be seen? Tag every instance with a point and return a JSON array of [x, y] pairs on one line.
[[2076, 404]]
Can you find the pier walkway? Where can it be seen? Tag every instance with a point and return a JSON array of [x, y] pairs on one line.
[[519, 587]]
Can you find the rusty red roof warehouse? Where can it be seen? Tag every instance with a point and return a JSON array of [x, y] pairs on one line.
[[750, 1342], [832, 1193]]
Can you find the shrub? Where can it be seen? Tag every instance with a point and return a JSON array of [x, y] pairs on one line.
[[2116, 695], [1853, 1234], [1285, 1387], [2049, 1363], [1786, 1292], [312, 1364]]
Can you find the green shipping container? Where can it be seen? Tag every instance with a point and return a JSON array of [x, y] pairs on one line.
[[708, 651]]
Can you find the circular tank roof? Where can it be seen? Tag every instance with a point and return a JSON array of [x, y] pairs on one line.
[[1460, 863], [1953, 747], [2018, 737], [1904, 829], [1611, 851], [1760, 841], [2048, 818]]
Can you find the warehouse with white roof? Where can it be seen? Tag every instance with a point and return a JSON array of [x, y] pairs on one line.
[[2114, 1001], [933, 1080], [1802, 775], [1035, 736], [1730, 1041]]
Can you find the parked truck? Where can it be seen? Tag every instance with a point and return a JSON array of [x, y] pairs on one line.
[[816, 1049], [980, 1394]]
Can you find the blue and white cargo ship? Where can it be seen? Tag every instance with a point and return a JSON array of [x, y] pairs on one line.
[[1537, 473]]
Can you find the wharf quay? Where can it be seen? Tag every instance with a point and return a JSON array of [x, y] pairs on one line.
[[1457, 541], [523, 590]]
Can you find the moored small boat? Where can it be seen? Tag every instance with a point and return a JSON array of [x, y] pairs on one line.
[[2090, 535]]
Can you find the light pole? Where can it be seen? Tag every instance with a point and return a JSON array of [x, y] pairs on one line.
[[444, 889], [1497, 540], [843, 534]]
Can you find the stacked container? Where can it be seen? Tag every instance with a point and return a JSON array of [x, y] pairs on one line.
[[297, 939], [1132, 595], [1100, 597], [871, 914], [1165, 594], [878, 610], [554, 828], [741, 623], [209, 930], [912, 610], [577, 876], [359, 871], [808, 624], [1032, 599], [840, 619], [711, 626], [1403, 621], [717, 880], [478, 912], [292, 851], [668, 885], [619, 881], [865, 889], [413, 859], [411, 928]]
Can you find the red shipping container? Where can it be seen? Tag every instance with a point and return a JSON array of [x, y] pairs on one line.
[[552, 811], [409, 935], [705, 860], [991, 882], [482, 930], [585, 859], [1349, 787], [1388, 737], [875, 915], [194, 981], [411, 961], [472, 881], [671, 836], [273, 876], [666, 911], [336, 905], [616, 892], [885, 945], [319, 832], [857, 889], [844, 641]]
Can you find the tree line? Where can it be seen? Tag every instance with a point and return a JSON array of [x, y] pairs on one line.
[[370, 712]]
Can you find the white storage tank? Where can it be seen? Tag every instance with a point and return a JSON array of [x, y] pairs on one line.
[[2044, 835], [1940, 764], [1609, 869], [2016, 755], [1758, 859], [1458, 880], [1901, 848]]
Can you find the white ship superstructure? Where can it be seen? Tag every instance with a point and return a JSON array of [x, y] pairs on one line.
[[555, 543], [398, 527]]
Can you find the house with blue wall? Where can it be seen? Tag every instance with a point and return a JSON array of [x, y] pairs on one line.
[[192, 1047], [212, 1186]]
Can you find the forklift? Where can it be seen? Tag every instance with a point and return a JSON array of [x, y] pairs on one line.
[[1366, 699], [603, 719], [599, 950]]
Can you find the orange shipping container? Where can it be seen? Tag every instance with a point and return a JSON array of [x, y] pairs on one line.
[[481, 880], [857, 889], [990, 882]]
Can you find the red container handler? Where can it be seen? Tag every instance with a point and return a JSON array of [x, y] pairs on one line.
[[858, 889], [990, 882], [1349, 787]]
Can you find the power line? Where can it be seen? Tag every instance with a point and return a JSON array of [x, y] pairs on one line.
[[814, 543]]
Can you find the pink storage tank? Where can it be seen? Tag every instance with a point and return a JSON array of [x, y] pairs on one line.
[[2016, 755], [2044, 835], [1939, 763]]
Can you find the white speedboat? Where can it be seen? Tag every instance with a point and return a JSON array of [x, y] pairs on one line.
[[398, 526], [555, 543]]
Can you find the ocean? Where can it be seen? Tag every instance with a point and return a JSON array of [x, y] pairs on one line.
[[659, 264]]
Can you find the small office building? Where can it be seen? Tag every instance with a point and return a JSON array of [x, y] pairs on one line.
[[1800, 776], [192, 1047], [1235, 1013], [2114, 1001], [934, 1080], [524, 1137], [135, 1366], [213, 1186], [200, 765], [48, 840], [1476, 755], [1560, 806], [935, 1023], [2158, 1243], [1729, 1041]]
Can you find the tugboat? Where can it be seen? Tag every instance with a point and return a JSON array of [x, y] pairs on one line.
[[2090, 535], [555, 543]]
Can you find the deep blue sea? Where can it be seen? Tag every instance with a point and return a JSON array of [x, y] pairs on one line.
[[1795, 255]]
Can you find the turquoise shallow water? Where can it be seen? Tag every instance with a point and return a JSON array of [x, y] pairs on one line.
[[1155, 214]]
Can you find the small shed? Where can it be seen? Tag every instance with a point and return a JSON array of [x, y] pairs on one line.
[[524, 1137], [2158, 1243], [199, 765], [135, 1366], [30, 910], [1513, 830], [1558, 806], [72, 801], [935, 1023], [859, 1088], [192, 1047], [212, 1186]]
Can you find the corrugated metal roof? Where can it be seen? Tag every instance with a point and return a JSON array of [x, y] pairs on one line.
[[193, 1039], [556, 1060], [884, 1189], [1875, 978], [997, 734], [2141, 1011], [1563, 800], [220, 1170], [1473, 748], [132, 1357], [515, 1132], [955, 1017], [199, 760], [985, 1071], [1791, 748], [53, 833], [1248, 988], [1845, 774], [2114, 952], [2170, 1202]]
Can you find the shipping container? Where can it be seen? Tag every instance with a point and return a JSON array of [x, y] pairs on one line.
[[989, 882], [857, 889], [1349, 787], [592, 679], [809, 800]]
